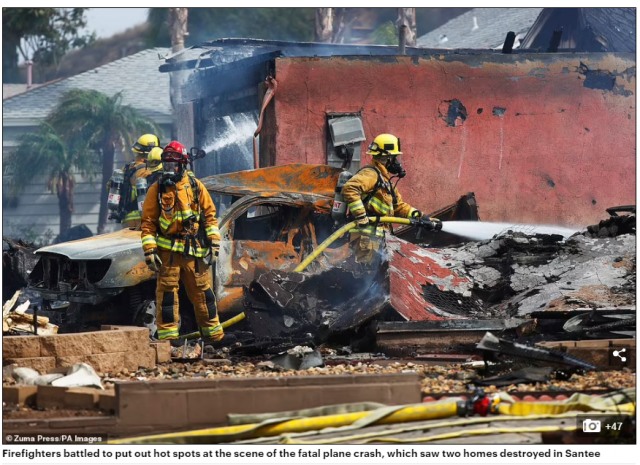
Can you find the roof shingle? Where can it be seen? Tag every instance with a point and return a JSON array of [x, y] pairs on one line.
[[614, 28], [137, 76], [480, 28]]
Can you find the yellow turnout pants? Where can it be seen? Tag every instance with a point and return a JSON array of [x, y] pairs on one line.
[[198, 287]]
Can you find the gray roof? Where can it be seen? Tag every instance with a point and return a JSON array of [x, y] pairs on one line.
[[488, 30], [614, 28], [10, 90], [137, 76]]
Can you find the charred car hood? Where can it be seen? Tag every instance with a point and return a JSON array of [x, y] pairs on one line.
[[98, 247], [123, 249], [295, 178]]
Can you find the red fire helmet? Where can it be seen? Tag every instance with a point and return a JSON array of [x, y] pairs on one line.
[[175, 152]]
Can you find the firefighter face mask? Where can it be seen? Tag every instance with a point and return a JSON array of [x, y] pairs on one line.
[[394, 166], [172, 172]]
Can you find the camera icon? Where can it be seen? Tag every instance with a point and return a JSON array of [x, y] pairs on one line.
[[591, 426]]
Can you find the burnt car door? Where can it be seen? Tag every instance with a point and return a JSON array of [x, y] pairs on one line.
[[260, 233]]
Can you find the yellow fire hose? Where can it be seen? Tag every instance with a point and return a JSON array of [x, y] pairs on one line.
[[343, 230], [233, 321], [225, 325], [476, 432], [556, 408], [413, 413], [372, 436]]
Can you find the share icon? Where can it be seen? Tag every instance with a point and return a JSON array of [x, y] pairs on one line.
[[616, 353]]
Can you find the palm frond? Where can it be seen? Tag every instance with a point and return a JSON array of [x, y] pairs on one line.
[[91, 118]]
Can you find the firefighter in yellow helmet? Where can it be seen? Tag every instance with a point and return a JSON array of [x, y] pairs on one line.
[[130, 215], [370, 193], [180, 239], [154, 165]]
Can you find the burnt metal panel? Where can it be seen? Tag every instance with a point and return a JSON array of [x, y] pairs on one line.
[[96, 247], [403, 338], [296, 178]]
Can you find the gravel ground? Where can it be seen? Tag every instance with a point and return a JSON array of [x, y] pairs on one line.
[[435, 380], [28, 413]]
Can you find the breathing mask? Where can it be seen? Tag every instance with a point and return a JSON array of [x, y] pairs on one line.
[[394, 166], [172, 172]]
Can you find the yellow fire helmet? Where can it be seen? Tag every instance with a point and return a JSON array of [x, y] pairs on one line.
[[385, 144], [154, 160], [144, 145]]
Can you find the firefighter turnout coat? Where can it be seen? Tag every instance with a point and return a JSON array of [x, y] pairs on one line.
[[171, 220], [370, 190]]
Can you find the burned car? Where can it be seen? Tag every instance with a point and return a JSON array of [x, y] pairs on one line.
[[270, 219]]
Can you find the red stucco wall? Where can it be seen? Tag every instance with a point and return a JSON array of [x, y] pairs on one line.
[[563, 151]]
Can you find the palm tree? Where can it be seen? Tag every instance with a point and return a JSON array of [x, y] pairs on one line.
[[45, 153], [101, 123]]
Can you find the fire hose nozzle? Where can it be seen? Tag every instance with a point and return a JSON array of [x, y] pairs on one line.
[[429, 224]]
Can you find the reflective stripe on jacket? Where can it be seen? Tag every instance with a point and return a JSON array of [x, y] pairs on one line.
[[131, 216], [163, 223], [364, 183]]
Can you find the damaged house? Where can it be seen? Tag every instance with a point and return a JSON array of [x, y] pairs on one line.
[[470, 123]]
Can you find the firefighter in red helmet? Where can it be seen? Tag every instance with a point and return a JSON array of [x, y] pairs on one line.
[[180, 238]]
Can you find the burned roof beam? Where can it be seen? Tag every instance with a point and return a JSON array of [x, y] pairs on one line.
[[508, 42], [262, 48], [238, 64]]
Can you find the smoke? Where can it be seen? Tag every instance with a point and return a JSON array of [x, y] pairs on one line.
[[481, 230]]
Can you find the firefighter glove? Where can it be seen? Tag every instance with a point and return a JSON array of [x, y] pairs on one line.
[[212, 256], [215, 250], [417, 214], [362, 219], [153, 260]]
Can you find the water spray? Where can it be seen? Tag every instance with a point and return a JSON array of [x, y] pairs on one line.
[[482, 230]]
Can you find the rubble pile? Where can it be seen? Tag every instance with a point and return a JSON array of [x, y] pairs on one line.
[[612, 227], [18, 260], [18, 321], [515, 274]]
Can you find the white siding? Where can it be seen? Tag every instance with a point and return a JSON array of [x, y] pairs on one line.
[[37, 208]]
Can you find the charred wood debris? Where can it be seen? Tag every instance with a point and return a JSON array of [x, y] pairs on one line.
[[525, 290]]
